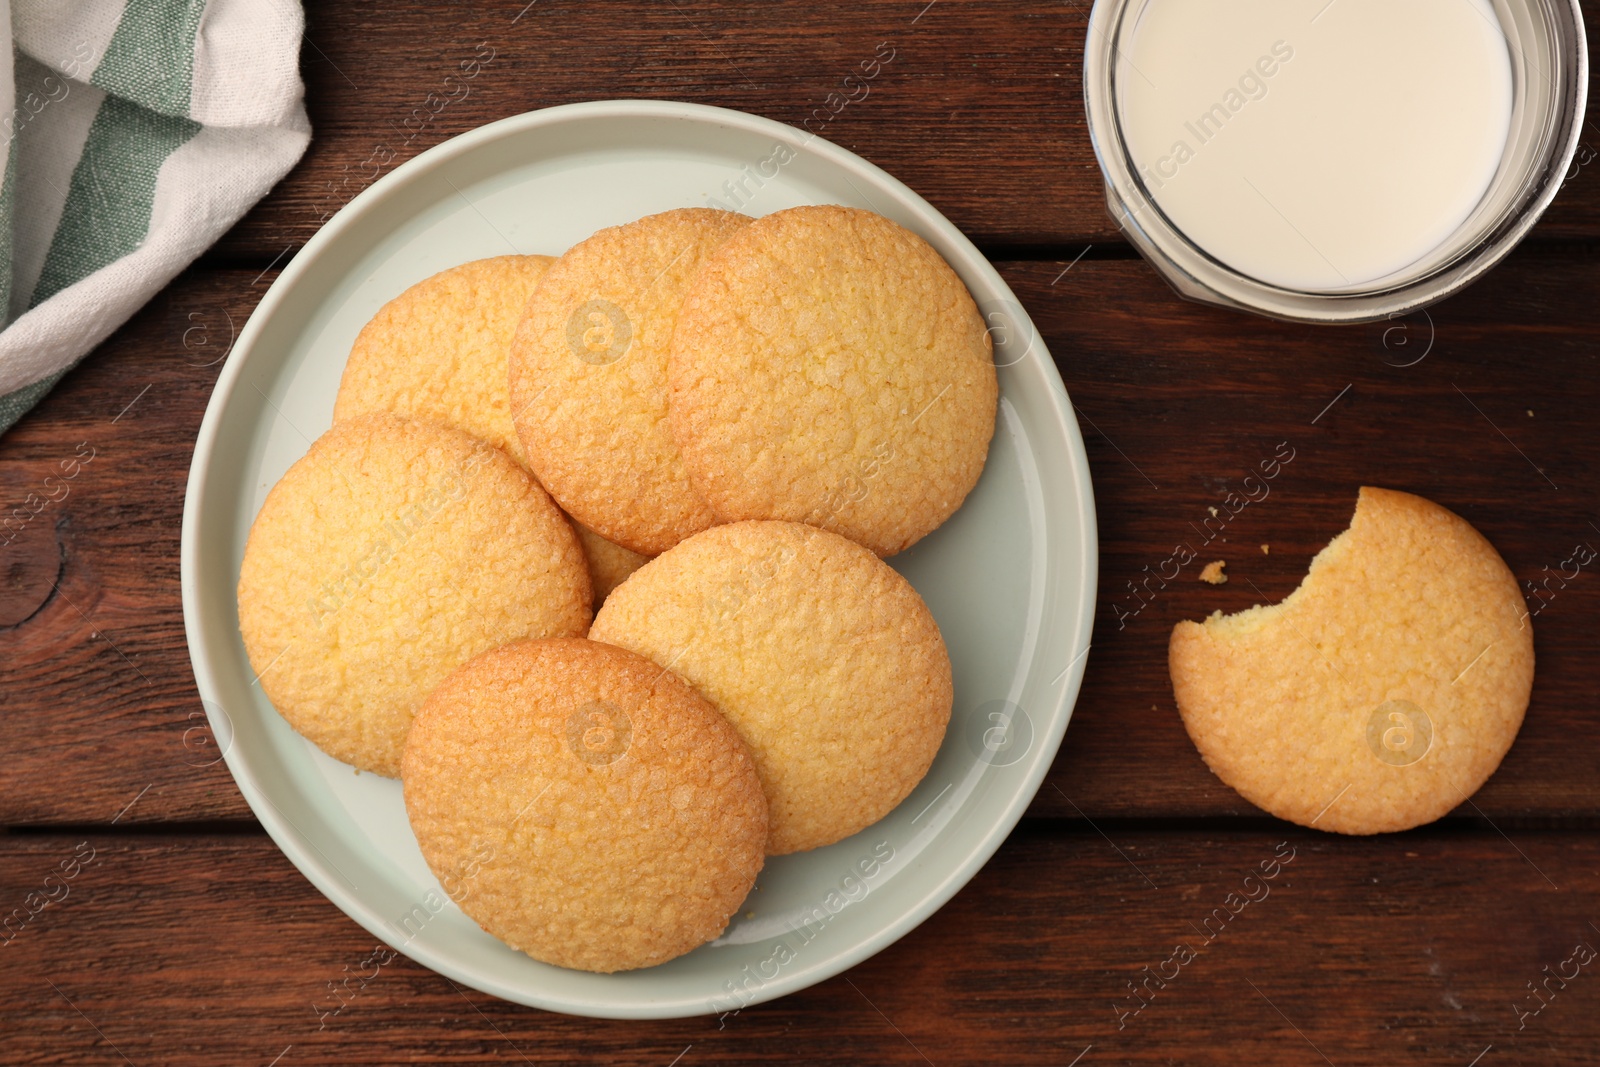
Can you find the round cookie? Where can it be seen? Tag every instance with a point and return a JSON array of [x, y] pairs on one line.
[[438, 350], [1381, 693], [388, 555], [589, 373], [827, 662], [830, 368], [609, 564], [584, 805]]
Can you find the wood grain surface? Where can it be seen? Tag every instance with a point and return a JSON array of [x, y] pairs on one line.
[[980, 110], [1405, 949], [190, 939], [1176, 403]]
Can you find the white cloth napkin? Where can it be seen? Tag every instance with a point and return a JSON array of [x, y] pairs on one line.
[[133, 133]]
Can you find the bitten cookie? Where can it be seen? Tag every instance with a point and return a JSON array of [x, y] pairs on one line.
[[389, 554], [584, 805], [438, 350], [830, 368], [1380, 694], [589, 371], [827, 662]]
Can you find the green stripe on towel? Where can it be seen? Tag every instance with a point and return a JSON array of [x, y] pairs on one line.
[[8, 210], [107, 213], [15, 405], [150, 59]]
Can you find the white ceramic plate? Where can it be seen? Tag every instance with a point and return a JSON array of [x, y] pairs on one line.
[[1010, 578]]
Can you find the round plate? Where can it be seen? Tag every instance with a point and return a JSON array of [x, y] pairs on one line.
[[1010, 578]]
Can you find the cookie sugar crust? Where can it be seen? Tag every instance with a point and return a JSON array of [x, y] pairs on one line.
[[825, 659], [584, 805], [588, 377], [1380, 694], [438, 350], [829, 367], [389, 554]]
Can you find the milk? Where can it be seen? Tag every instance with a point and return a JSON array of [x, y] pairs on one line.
[[1312, 144]]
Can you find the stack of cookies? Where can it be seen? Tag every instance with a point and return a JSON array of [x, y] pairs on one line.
[[710, 427]]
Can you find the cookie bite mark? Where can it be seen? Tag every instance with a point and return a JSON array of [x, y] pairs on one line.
[[1382, 692]]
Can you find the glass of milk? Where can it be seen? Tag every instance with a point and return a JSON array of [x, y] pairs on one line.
[[1332, 160]]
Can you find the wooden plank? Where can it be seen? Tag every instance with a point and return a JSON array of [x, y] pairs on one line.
[[1177, 404], [980, 109], [1416, 949], [94, 669]]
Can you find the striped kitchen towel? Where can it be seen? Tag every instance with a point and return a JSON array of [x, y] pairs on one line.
[[133, 133]]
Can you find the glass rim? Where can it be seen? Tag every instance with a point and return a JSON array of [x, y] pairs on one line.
[[1197, 275]]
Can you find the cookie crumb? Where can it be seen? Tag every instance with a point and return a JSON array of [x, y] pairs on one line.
[[1213, 572], [1530, 413], [1266, 550], [1213, 511]]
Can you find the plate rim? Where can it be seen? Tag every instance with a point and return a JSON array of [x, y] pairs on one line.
[[303, 854]]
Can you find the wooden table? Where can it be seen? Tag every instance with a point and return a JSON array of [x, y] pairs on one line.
[[189, 939]]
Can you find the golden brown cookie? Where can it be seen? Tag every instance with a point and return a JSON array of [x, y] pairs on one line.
[[584, 805], [609, 564], [830, 368], [589, 372], [388, 555], [438, 350], [825, 659], [1383, 692]]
